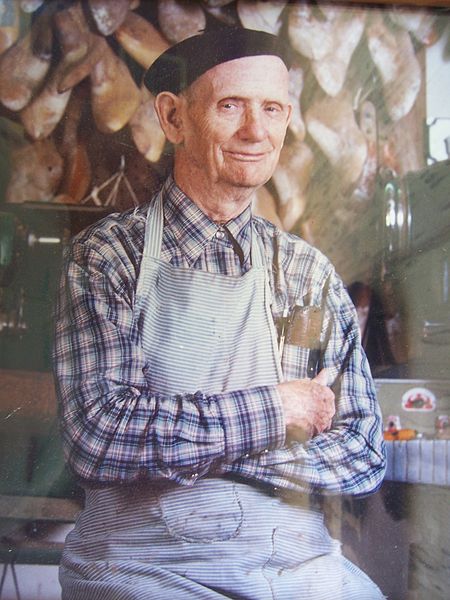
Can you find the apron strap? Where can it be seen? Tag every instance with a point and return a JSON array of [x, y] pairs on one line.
[[154, 228], [258, 258]]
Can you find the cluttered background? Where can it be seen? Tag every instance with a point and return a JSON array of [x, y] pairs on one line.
[[364, 175]]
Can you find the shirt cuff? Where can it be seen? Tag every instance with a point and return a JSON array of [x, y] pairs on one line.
[[252, 420]]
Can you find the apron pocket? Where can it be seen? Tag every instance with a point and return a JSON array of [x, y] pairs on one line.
[[210, 511]]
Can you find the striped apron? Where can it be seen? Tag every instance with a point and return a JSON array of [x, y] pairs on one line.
[[218, 538]]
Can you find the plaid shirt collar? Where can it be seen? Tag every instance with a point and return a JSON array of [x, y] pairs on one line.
[[193, 229]]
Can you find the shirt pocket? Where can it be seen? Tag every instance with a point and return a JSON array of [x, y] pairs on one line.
[[210, 511], [295, 361]]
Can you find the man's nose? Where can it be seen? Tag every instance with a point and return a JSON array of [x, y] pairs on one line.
[[253, 127]]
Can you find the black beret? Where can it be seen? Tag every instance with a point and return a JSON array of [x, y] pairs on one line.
[[182, 64]]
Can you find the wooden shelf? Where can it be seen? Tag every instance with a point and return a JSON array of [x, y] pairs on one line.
[[37, 508]]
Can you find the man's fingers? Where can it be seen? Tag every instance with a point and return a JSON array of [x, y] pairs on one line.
[[322, 377], [308, 404]]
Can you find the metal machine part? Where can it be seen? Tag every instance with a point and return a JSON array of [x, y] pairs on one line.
[[32, 238], [415, 210]]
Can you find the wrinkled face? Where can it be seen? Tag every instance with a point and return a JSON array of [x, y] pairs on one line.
[[234, 122]]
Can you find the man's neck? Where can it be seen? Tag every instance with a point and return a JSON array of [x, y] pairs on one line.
[[220, 203]]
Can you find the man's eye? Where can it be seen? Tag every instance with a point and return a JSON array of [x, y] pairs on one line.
[[228, 105], [273, 108]]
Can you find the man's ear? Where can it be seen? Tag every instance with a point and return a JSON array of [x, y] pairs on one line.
[[168, 109], [289, 116]]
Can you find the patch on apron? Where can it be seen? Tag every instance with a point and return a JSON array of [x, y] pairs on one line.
[[294, 546], [210, 511]]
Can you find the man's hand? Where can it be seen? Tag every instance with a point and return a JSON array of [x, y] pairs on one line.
[[308, 406]]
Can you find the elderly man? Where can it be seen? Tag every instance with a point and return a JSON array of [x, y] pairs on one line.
[[208, 365]]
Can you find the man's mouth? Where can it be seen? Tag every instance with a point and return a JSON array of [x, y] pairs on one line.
[[247, 156]]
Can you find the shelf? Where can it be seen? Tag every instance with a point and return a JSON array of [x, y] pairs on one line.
[[419, 461]]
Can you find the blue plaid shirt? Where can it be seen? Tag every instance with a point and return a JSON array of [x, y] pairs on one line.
[[116, 430]]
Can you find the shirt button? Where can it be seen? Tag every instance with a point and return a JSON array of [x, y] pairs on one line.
[[266, 451], [220, 235], [246, 455], [194, 475]]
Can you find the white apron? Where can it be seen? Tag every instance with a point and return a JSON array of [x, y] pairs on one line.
[[219, 538]]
